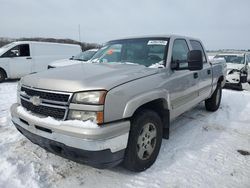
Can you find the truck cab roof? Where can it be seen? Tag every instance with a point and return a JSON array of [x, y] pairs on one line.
[[156, 36]]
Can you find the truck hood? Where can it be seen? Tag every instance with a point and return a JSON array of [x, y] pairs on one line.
[[64, 62], [87, 76]]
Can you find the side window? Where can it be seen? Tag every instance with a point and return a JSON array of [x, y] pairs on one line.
[[180, 51], [21, 50], [196, 45], [112, 54], [24, 50]]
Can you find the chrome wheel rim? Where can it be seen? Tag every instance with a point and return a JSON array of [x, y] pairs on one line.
[[146, 141]]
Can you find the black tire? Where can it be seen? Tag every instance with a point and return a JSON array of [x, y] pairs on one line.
[[213, 103], [141, 120], [2, 76]]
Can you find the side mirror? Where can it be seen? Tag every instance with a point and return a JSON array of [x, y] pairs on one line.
[[195, 61]]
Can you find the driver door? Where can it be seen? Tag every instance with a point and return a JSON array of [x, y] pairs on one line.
[[20, 62], [183, 83]]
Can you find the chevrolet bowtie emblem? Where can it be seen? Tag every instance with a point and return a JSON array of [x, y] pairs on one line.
[[35, 100]]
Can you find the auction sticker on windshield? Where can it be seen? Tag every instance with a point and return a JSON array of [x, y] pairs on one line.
[[157, 42]]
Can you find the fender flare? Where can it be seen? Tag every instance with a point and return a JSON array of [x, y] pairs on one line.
[[133, 104]]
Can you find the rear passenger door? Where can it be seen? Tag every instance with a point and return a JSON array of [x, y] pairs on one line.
[[205, 75]]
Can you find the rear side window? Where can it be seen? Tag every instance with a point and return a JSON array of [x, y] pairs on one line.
[[21, 50], [196, 45]]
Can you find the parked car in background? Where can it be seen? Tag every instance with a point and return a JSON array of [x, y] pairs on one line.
[[119, 108], [79, 58], [18, 59], [238, 68]]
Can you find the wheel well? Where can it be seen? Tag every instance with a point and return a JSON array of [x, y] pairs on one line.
[[1, 69], [160, 107]]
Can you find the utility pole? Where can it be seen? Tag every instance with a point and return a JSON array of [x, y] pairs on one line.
[[79, 30]]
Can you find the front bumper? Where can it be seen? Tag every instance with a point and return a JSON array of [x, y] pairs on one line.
[[99, 147]]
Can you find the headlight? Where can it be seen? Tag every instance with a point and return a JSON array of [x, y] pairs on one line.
[[96, 117], [91, 97]]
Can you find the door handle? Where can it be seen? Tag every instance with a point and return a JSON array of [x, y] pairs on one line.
[[28, 57], [195, 75], [209, 71]]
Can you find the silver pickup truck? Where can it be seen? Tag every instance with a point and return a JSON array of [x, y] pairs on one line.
[[119, 107]]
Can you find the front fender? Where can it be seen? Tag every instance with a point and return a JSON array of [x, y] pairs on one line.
[[133, 104]]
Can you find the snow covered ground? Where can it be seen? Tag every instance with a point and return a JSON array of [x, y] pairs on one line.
[[201, 152]]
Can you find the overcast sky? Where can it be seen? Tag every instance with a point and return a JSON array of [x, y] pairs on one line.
[[218, 23]]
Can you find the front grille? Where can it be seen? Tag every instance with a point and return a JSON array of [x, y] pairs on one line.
[[46, 95], [57, 113]]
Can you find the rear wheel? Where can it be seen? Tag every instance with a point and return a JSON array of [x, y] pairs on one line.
[[144, 141], [2, 76], [213, 103]]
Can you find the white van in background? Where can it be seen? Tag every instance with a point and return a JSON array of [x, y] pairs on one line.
[[18, 59]]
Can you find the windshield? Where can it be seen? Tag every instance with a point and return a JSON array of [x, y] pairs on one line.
[[7, 45], [238, 59], [145, 51], [84, 56]]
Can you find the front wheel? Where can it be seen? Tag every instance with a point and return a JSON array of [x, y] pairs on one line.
[[213, 103], [144, 141]]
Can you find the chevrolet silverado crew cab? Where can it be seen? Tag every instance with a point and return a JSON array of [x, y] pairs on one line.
[[118, 108]]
